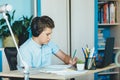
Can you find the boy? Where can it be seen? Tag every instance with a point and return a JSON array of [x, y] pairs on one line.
[[37, 50]]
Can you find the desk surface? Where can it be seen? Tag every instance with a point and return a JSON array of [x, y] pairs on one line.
[[40, 75]]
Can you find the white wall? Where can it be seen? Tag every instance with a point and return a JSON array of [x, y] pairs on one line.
[[82, 25], [57, 10], [82, 28]]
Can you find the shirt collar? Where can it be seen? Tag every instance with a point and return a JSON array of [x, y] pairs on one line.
[[36, 44]]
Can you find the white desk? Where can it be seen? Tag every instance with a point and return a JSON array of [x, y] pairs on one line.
[[19, 74]]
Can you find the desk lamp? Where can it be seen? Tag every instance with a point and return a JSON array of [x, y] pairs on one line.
[[3, 9]]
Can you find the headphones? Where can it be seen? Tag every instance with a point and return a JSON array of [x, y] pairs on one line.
[[35, 27], [39, 23]]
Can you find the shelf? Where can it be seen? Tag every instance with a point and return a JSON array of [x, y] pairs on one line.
[[115, 48], [108, 24], [104, 1], [108, 73], [101, 2]]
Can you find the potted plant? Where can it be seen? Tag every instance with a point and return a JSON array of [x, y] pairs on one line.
[[19, 27], [80, 64], [23, 33]]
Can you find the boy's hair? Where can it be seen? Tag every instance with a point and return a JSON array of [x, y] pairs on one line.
[[40, 23]]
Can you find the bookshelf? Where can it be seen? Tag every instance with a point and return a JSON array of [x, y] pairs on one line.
[[108, 26]]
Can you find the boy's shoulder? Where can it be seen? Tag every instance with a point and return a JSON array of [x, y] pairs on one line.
[[26, 43]]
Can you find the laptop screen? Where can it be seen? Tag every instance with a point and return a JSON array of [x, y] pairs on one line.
[[107, 54]]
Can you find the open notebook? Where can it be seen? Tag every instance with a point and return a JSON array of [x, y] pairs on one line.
[[56, 69]]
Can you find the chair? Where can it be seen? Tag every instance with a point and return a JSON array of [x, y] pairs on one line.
[[11, 55]]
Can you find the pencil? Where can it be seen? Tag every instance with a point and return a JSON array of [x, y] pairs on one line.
[[74, 53]]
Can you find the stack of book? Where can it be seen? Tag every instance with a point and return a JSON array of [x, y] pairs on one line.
[[101, 39]]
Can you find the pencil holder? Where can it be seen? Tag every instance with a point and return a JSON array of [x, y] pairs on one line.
[[90, 63]]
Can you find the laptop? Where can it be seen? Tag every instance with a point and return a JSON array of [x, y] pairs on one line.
[[107, 54]]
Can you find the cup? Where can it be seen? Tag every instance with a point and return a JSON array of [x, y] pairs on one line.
[[80, 66], [90, 63]]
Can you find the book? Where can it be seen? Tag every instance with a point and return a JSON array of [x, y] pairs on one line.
[[105, 13], [112, 13]]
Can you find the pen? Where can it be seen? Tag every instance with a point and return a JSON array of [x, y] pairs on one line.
[[84, 53], [92, 52], [74, 53], [87, 49]]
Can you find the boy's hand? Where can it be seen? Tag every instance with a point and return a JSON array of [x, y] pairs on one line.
[[73, 61]]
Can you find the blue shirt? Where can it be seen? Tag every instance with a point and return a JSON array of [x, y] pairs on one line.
[[36, 55]]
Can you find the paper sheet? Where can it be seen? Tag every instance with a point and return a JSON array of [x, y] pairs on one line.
[[67, 72], [57, 69]]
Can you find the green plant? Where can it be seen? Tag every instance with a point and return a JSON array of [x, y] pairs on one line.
[[19, 27], [79, 61]]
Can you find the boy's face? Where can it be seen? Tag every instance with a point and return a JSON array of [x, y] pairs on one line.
[[45, 36]]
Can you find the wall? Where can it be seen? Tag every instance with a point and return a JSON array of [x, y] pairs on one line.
[[82, 25], [82, 29], [22, 7], [57, 10]]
